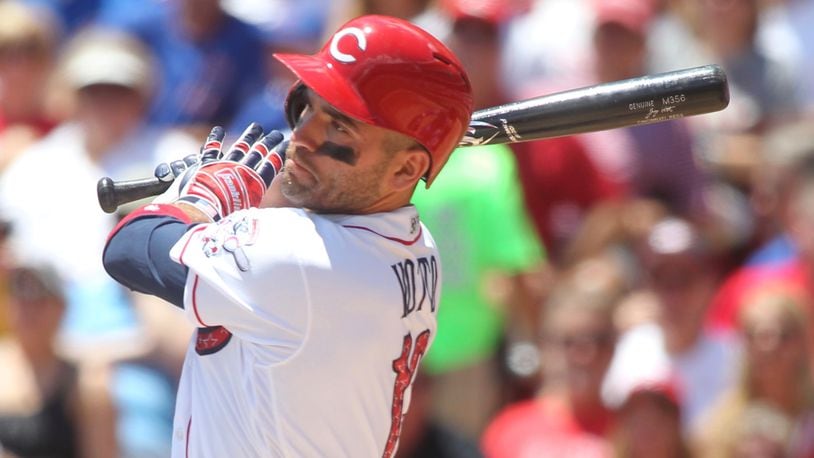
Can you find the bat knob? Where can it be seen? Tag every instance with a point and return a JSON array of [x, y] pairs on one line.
[[106, 192]]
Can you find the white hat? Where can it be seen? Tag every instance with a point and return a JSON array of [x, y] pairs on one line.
[[107, 57]]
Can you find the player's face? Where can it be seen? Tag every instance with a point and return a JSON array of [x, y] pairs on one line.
[[334, 163]]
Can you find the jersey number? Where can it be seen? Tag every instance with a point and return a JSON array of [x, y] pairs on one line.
[[404, 367]]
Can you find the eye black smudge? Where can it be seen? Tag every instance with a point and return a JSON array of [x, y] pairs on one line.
[[341, 153]]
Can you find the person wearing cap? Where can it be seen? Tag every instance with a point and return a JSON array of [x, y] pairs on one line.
[[315, 291], [109, 79], [649, 422], [681, 268]]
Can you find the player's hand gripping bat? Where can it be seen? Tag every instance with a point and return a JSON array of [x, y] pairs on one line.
[[642, 100]]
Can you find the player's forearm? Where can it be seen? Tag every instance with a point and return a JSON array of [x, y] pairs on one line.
[[137, 255]]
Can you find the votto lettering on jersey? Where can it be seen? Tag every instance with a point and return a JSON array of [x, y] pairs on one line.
[[418, 280]]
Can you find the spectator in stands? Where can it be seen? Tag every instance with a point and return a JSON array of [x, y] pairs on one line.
[[765, 91], [776, 326], [785, 157], [47, 407], [568, 417], [209, 63], [548, 43], [682, 272], [554, 200], [557, 202], [616, 226], [654, 161], [762, 431], [664, 165], [476, 202], [52, 184], [110, 81], [649, 423], [781, 200], [27, 54]]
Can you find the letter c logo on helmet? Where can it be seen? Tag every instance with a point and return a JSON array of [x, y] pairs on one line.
[[402, 79], [361, 43]]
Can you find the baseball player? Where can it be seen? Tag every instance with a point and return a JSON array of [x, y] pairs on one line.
[[314, 311]]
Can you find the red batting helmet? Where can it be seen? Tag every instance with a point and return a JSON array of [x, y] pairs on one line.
[[389, 73]]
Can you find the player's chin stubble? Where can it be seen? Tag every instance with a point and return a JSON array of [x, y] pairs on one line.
[[339, 193], [293, 190]]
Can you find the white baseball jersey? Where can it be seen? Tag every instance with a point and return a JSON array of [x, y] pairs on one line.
[[310, 330]]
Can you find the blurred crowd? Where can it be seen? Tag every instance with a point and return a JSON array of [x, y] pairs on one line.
[[637, 292]]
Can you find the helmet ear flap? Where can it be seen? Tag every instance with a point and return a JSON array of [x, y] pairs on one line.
[[295, 104]]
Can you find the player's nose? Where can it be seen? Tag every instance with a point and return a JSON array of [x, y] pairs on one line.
[[306, 134]]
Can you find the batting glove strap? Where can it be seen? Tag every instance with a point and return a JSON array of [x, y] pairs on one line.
[[227, 186], [204, 205]]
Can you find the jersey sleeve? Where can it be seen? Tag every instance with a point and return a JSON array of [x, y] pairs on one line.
[[136, 255], [246, 274]]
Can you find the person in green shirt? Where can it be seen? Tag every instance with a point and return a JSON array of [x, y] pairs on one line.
[[479, 221]]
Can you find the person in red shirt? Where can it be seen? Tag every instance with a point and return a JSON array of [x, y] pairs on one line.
[[565, 178], [561, 184], [794, 196], [568, 418]]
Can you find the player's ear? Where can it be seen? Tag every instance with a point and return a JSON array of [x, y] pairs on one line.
[[411, 164]]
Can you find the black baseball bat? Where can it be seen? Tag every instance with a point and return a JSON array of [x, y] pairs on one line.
[[642, 100]]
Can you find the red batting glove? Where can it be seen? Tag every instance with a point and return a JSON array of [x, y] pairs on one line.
[[238, 179]]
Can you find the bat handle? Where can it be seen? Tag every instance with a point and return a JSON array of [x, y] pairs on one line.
[[112, 194]]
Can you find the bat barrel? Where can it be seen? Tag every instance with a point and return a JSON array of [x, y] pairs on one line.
[[643, 100]]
